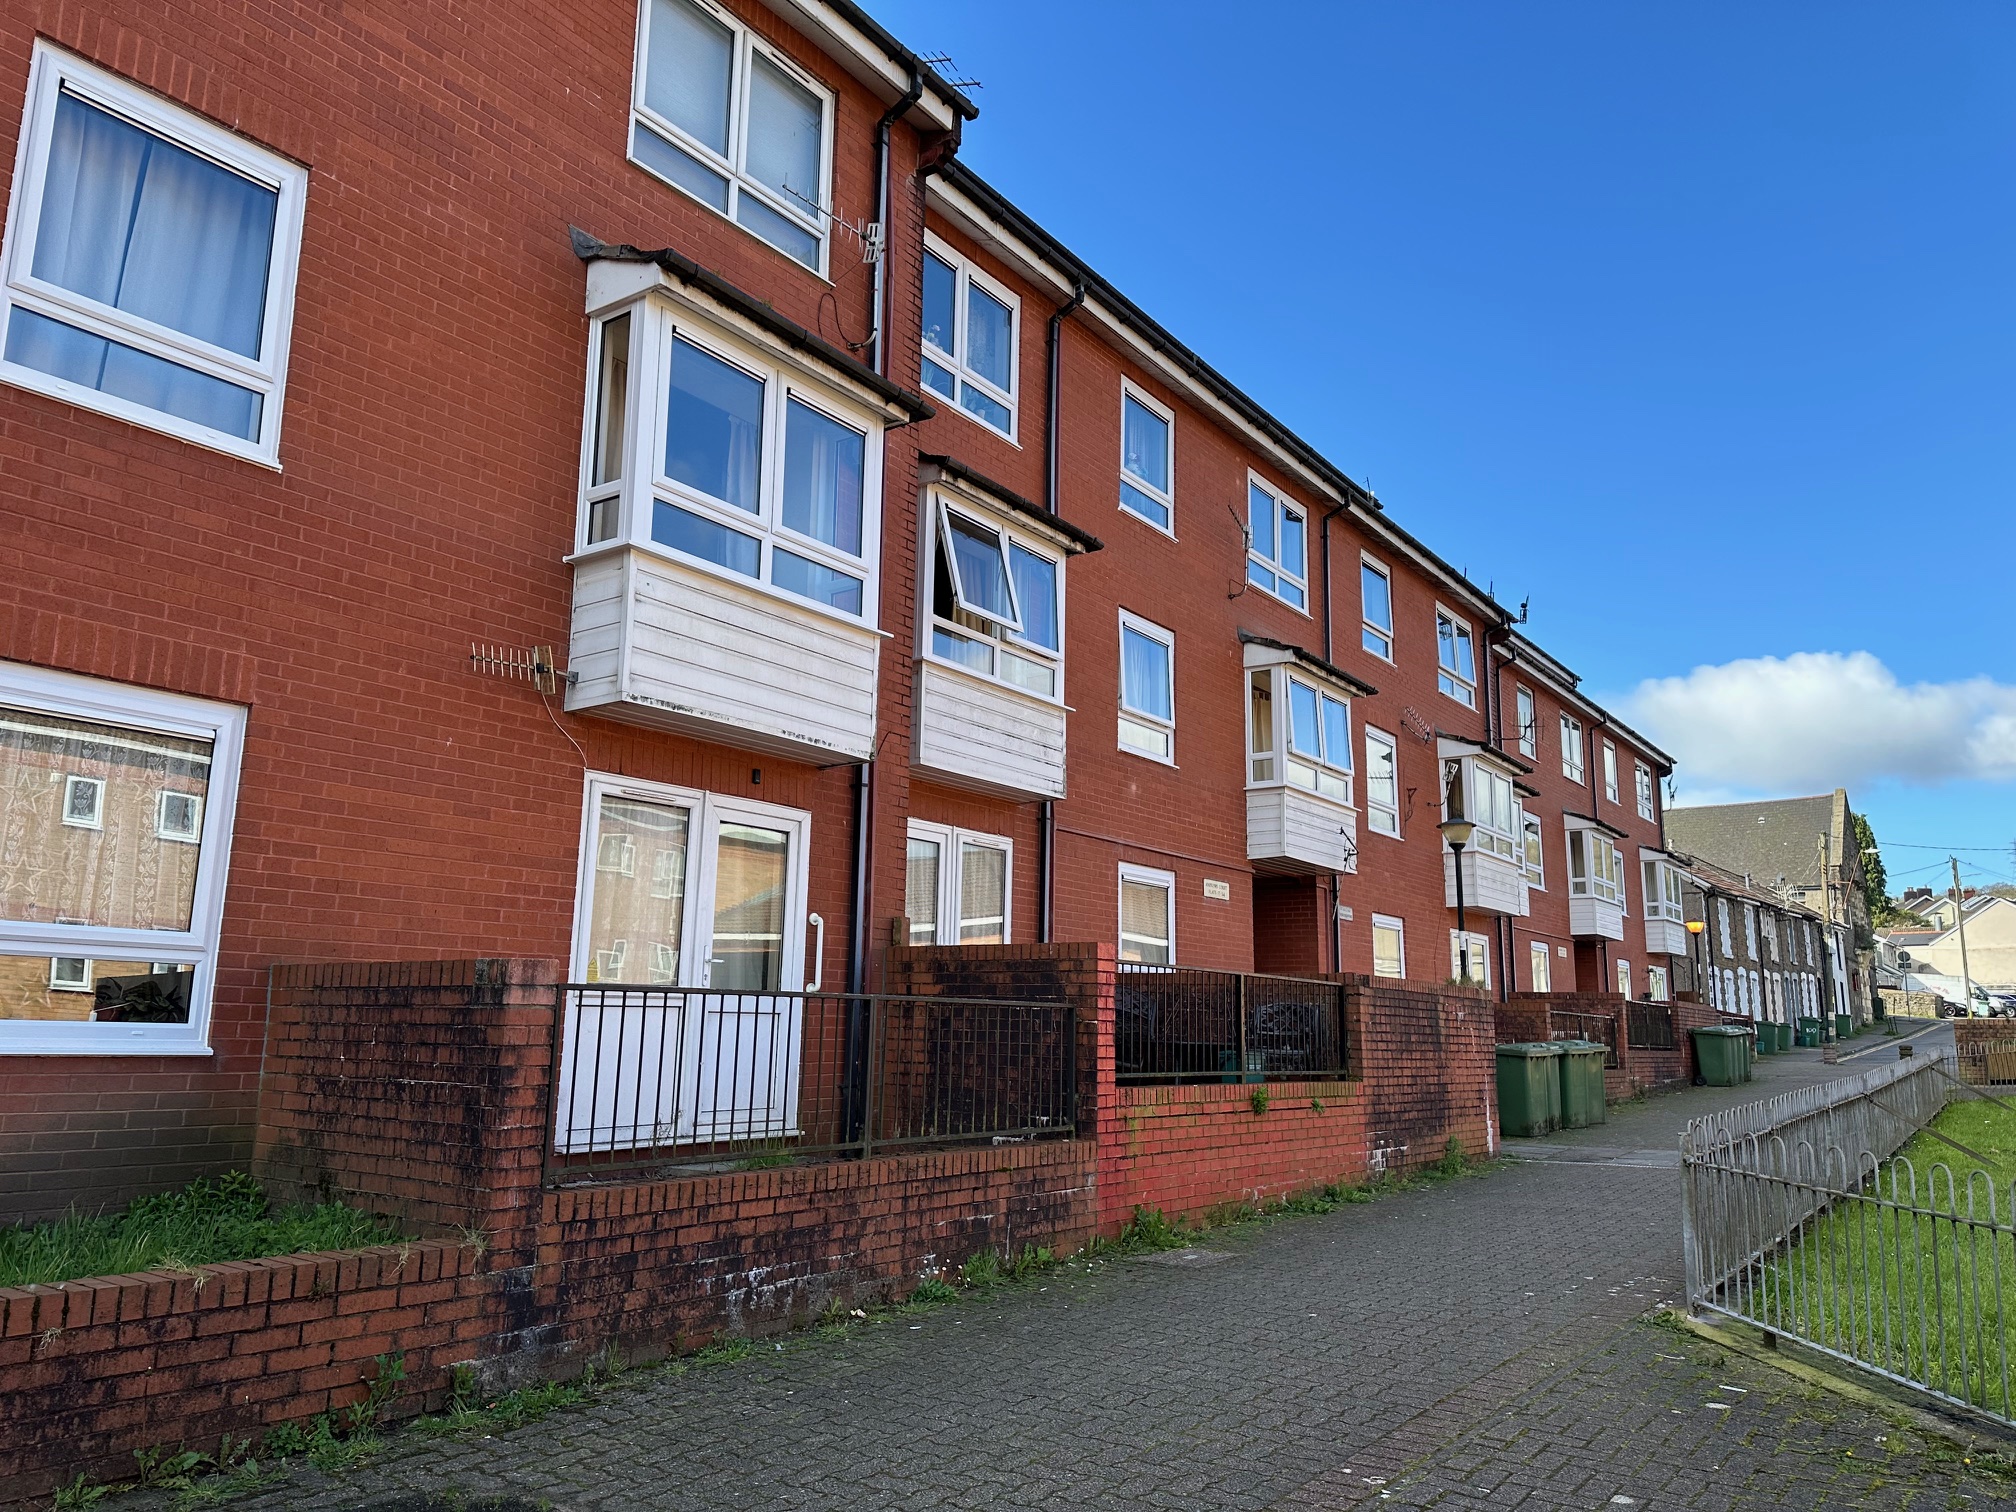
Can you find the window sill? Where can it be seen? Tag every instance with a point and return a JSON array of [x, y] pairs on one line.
[[43, 1044], [1161, 761]]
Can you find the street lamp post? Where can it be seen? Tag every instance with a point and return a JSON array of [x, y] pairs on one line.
[[1458, 832], [1697, 928]]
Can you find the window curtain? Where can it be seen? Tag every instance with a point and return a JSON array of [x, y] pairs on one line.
[[714, 428], [687, 71], [983, 894], [920, 891], [146, 227], [823, 478], [1144, 674]]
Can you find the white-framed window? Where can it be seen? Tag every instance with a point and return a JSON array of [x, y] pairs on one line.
[[1147, 915], [1770, 931], [84, 802], [1595, 870], [1609, 771], [1147, 688], [1529, 722], [1722, 923], [1730, 1002], [1375, 595], [958, 885], [1470, 957], [707, 448], [178, 816], [734, 916], [1484, 795], [997, 599], [1298, 732], [720, 114], [1756, 995], [1278, 557], [1655, 984], [1663, 899], [150, 262], [1644, 779], [1750, 930], [1571, 748], [1532, 854], [1389, 946], [1455, 658], [1540, 963], [972, 337], [1382, 782], [90, 911], [1147, 458], [1624, 980]]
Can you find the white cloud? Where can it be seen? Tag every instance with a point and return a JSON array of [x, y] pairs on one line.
[[1818, 720]]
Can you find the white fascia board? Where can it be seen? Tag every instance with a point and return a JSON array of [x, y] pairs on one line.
[[864, 58]]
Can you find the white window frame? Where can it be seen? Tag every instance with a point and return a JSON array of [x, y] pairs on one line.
[[1323, 770], [96, 787], [1722, 922], [1480, 957], [162, 829], [1750, 930], [1540, 965], [1374, 812], [1284, 509], [966, 274], [51, 72], [1526, 709], [1397, 927], [656, 323], [743, 49], [1657, 989], [951, 875], [1505, 841], [1624, 980], [1660, 881], [1594, 883], [704, 809], [1146, 876], [61, 983], [1140, 720], [1010, 641], [1370, 630], [1610, 788], [223, 725], [1645, 791], [1132, 390], [1573, 760], [1449, 680], [1532, 851]]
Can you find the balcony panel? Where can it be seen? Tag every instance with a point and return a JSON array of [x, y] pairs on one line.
[[1491, 884], [1665, 937], [1594, 919], [1289, 829], [977, 734], [659, 644]]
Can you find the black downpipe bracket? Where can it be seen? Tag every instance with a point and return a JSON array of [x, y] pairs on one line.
[[1047, 828]]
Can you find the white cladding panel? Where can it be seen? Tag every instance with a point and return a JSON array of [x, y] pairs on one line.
[[979, 734], [1593, 919], [1289, 829], [1664, 937], [719, 661], [1491, 884]]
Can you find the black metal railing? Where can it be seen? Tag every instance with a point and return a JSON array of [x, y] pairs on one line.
[[672, 1077], [1599, 1027], [1173, 1024], [1649, 1026]]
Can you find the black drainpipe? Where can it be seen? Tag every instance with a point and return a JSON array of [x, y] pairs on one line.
[[1052, 421], [879, 357], [1330, 655]]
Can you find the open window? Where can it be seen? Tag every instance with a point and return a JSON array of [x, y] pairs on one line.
[[996, 594], [958, 885], [1298, 732]]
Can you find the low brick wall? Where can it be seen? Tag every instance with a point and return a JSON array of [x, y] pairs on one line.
[[1987, 1050], [92, 1370]]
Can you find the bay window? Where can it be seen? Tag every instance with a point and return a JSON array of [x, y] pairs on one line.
[[731, 460], [1662, 892], [149, 262], [1147, 688], [1484, 796], [996, 600], [1382, 782], [1298, 733], [722, 116], [1455, 659], [117, 803], [970, 330], [1278, 557], [1147, 458], [957, 886], [1595, 870]]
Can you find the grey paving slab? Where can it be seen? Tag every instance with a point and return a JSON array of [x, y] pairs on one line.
[[1472, 1345]]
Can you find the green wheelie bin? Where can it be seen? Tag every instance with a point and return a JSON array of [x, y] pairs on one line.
[[1583, 1100], [1529, 1089], [1722, 1052], [1767, 1038], [1809, 1033], [1844, 1025]]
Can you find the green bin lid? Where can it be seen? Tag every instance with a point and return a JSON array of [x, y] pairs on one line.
[[1568, 1046], [1545, 1048], [1723, 1029]]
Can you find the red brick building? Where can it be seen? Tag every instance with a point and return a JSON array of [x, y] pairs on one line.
[[875, 572]]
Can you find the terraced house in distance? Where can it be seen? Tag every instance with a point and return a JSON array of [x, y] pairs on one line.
[[849, 569]]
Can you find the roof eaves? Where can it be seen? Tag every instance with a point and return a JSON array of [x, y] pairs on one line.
[[1310, 660], [952, 467]]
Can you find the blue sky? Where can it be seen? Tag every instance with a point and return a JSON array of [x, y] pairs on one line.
[[1695, 323]]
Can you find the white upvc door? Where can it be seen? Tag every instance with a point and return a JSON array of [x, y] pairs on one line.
[[684, 889]]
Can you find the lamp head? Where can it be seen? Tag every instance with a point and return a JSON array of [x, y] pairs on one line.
[[1695, 926], [1457, 832]]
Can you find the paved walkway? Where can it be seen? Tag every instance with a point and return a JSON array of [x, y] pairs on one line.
[[1474, 1345]]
